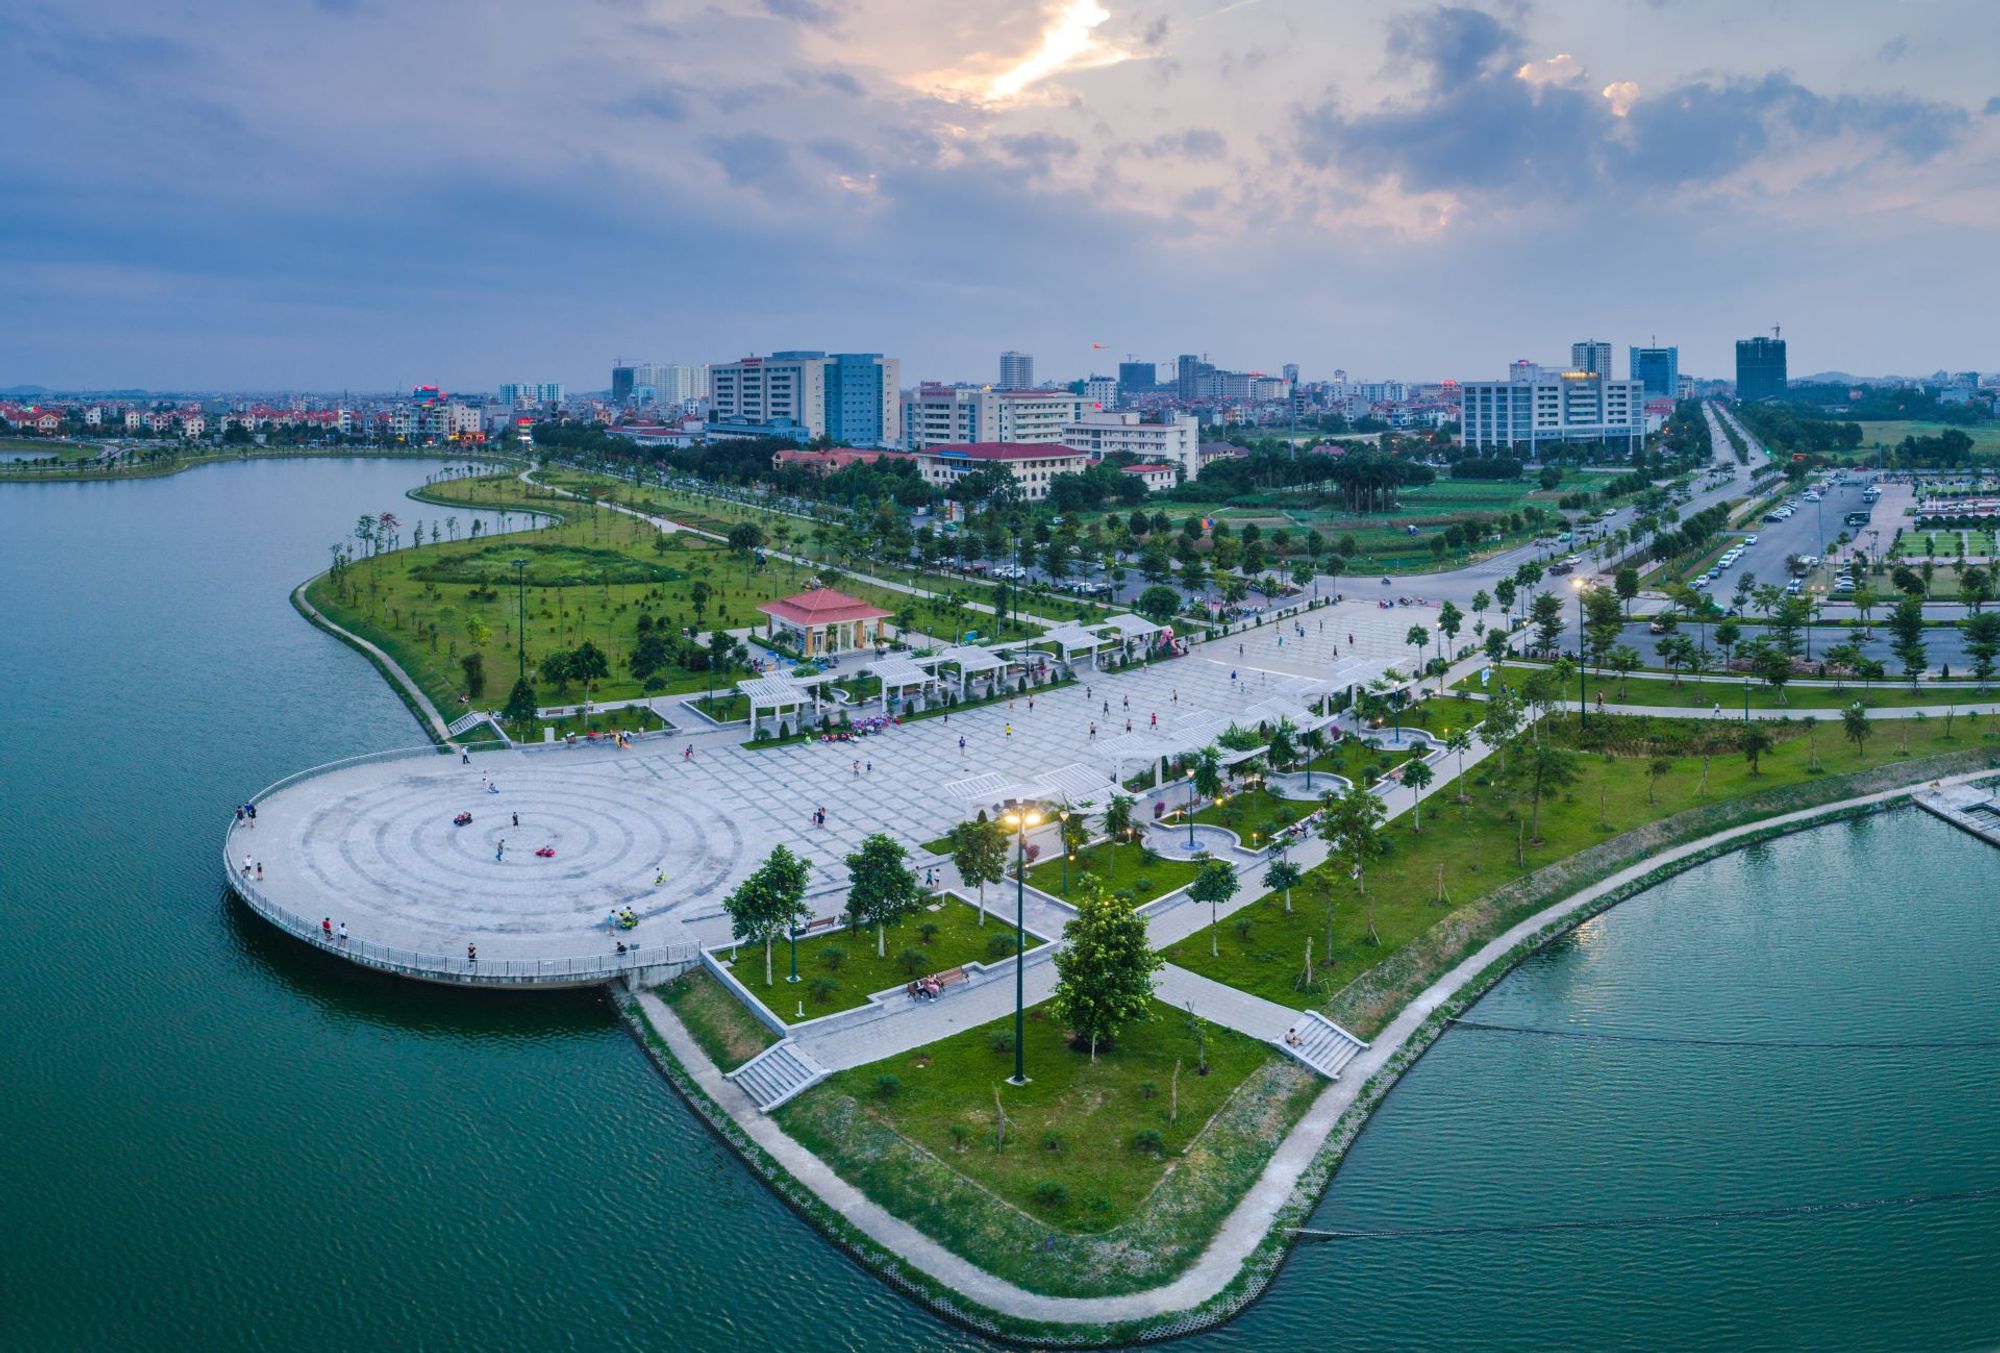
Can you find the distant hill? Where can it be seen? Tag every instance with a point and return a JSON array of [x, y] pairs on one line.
[[25, 390]]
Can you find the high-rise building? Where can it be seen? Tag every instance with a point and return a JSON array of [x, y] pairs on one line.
[[1137, 378], [1017, 371], [531, 392], [1658, 369], [1193, 378], [783, 395], [1099, 392], [658, 383], [936, 415], [1527, 411], [1592, 356], [1291, 371], [1760, 368], [861, 399]]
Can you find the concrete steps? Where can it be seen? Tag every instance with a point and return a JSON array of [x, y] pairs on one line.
[[777, 1074], [1323, 1045]]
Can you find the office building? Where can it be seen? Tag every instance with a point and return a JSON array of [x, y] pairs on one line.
[[1099, 392], [1522, 414], [861, 399], [1193, 378], [1032, 465], [1592, 356], [1170, 439], [1760, 368], [1137, 378], [938, 414], [1291, 371], [1658, 369], [783, 395], [531, 392], [1017, 370]]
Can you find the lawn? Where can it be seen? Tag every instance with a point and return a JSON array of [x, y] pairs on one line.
[[838, 971], [1262, 948], [726, 1031], [1111, 1175], [1253, 814], [1890, 433], [1662, 692], [1364, 763], [1121, 866], [590, 577]]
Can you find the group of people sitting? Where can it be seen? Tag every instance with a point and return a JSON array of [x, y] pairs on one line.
[[862, 729], [925, 989], [626, 919], [462, 820]]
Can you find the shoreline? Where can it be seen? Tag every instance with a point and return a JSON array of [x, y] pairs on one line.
[[1230, 1275], [163, 470]]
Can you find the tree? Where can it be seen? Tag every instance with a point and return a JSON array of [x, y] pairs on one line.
[[698, 595], [1502, 722], [1504, 593], [1906, 624], [555, 669], [1982, 644], [1207, 773], [474, 667], [588, 664], [1772, 663], [1727, 632], [1624, 660], [1418, 638], [1626, 583], [1450, 620], [1546, 614], [745, 537], [1418, 776], [1676, 651], [1854, 726], [1496, 645], [1753, 740], [1283, 747], [1215, 884], [1351, 825], [979, 852], [1543, 769], [1458, 742], [1283, 874], [1159, 604], [770, 903], [520, 707], [1603, 622], [1104, 971], [881, 887], [1655, 768]]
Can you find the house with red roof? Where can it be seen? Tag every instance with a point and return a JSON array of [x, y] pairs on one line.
[[1033, 464], [823, 621]]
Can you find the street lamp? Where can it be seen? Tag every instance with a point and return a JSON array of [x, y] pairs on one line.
[[1020, 820], [1582, 698], [792, 935], [1062, 819], [520, 619], [1190, 808]]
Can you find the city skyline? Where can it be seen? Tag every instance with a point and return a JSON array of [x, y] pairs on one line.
[[189, 215]]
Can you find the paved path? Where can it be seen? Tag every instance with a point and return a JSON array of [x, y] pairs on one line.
[[1266, 1021], [429, 711], [1250, 1221]]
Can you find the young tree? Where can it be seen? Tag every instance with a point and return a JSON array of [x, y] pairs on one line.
[[1624, 660], [588, 664], [1753, 740], [1626, 583], [1450, 621], [1502, 722], [1546, 614], [1906, 624], [882, 888], [1655, 768], [1104, 971], [979, 851], [1982, 644], [1854, 726], [1118, 813], [520, 707], [1418, 638], [770, 902], [1543, 769], [1215, 884], [1418, 776], [1283, 874], [1207, 773], [1352, 827]]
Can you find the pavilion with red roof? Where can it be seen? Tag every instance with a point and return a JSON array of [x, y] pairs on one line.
[[824, 621]]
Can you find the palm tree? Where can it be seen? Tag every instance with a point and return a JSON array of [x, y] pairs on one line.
[[1417, 775], [1459, 742]]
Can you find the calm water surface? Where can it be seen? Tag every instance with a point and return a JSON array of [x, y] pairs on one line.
[[215, 1138]]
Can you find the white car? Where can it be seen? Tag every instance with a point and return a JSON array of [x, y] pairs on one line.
[[1749, 540]]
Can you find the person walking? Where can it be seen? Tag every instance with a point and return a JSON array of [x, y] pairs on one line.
[[500, 851], [260, 871], [239, 815], [961, 744], [471, 953], [1010, 730], [342, 935], [517, 819], [857, 770], [326, 926], [246, 866]]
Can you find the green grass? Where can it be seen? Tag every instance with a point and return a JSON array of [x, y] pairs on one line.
[[1120, 866], [1262, 949], [727, 1032], [1890, 433], [1363, 763], [1254, 810], [858, 972], [1076, 1124], [1663, 693]]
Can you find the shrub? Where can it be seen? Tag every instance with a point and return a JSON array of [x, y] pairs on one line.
[[1148, 1090], [999, 946], [1050, 1194], [821, 989], [960, 1135], [1242, 927], [832, 955], [1142, 885], [928, 932], [1052, 1142], [1149, 1141], [1003, 1041], [911, 961], [1147, 855], [886, 1086]]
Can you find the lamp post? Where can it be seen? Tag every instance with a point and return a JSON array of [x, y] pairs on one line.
[[521, 619], [1020, 819], [1062, 835], [792, 936], [1190, 808], [1582, 698]]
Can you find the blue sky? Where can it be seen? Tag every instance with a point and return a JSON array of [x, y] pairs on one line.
[[287, 194]]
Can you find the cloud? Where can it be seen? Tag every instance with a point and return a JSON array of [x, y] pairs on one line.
[[1039, 150], [1194, 143], [1561, 69], [1068, 41], [751, 160], [1621, 95], [811, 13], [1456, 44], [1892, 51], [1992, 106]]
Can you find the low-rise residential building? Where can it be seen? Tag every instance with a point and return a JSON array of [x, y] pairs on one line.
[[935, 415], [828, 461], [1155, 476], [1032, 464], [1174, 438]]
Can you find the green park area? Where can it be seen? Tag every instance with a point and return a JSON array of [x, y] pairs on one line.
[[446, 609], [1123, 867], [726, 1030], [1688, 693], [1891, 432], [1104, 1176], [840, 970]]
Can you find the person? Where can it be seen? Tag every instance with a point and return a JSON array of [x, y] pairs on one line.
[[517, 819], [1125, 701], [1107, 709], [1128, 725], [1093, 730], [621, 947], [500, 850], [871, 767], [343, 932], [1031, 704], [1718, 710], [326, 926], [471, 953], [251, 809], [260, 871], [464, 756], [1350, 639], [961, 744], [246, 866], [687, 753], [611, 922], [239, 815], [1010, 730], [857, 770]]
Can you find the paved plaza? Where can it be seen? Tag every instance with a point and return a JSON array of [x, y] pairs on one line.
[[374, 846]]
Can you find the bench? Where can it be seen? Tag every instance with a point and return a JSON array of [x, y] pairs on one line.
[[946, 980], [818, 923]]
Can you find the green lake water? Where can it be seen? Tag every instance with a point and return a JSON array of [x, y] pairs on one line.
[[215, 1138]]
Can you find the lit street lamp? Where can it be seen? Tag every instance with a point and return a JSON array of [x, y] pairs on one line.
[[1582, 708], [520, 619], [1020, 820]]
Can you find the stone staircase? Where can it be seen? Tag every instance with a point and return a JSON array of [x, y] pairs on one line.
[[778, 1073], [1323, 1045], [465, 721]]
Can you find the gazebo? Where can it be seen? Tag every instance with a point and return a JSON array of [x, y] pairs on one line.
[[974, 663], [1132, 630], [904, 684], [1072, 639], [823, 621], [786, 699]]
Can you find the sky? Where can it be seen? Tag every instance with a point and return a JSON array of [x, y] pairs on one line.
[[350, 194]]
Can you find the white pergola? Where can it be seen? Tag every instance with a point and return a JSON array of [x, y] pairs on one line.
[[899, 675], [1073, 639], [779, 694], [972, 661], [1131, 629]]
